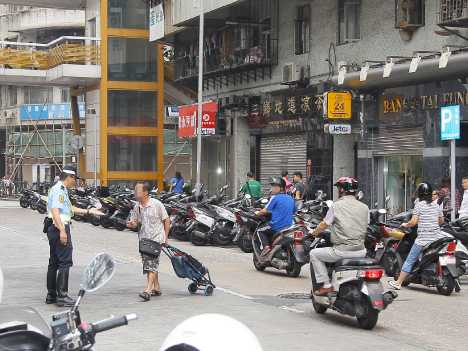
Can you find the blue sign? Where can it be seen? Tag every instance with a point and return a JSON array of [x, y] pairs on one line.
[[50, 111], [450, 122]]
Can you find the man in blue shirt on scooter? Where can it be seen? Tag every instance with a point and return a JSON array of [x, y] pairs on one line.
[[282, 208]]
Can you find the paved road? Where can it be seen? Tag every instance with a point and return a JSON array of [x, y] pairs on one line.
[[273, 305]]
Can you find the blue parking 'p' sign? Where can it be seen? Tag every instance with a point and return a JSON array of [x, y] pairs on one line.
[[450, 122]]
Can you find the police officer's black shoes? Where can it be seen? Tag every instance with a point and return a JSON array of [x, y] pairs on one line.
[[51, 289], [62, 291]]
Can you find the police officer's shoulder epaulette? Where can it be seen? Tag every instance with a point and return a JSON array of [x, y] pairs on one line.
[[62, 187]]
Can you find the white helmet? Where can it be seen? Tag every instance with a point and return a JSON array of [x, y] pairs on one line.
[[211, 332]]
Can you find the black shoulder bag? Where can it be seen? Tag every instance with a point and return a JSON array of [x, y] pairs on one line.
[[149, 247]]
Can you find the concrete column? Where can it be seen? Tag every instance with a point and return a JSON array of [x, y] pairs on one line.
[[343, 158], [240, 152]]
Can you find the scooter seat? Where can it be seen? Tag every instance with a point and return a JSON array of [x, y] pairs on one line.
[[358, 261], [444, 240]]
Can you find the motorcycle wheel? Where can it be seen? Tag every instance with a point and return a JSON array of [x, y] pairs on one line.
[[318, 307], [24, 203], [33, 206], [119, 226], [95, 220], [258, 266], [220, 239], [370, 320], [41, 209], [105, 222], [389, 263], [177, 234], [294, 268], [196, 240], [245, 243], [447, 289]]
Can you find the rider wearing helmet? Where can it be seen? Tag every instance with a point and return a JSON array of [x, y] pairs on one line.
[[348, 218], [429, 217], [282, 208], [211, 332]]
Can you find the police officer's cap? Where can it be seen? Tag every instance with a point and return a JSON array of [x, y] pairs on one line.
[[71, 170]]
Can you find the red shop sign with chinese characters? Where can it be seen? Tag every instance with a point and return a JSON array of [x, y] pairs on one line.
[[187, 122]]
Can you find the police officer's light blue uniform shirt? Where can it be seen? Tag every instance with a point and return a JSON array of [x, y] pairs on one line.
[[58, 198], [282, 208]]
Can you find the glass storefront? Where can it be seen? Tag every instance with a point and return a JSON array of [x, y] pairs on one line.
[[132, 59], [401, 176], [132, 108], [128, 14], [131, 183], [132, 153]]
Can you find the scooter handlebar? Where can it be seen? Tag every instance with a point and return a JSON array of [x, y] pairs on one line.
[[113, 322]]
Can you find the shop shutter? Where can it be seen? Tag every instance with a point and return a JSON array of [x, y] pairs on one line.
[[397, 140], [287, 152]]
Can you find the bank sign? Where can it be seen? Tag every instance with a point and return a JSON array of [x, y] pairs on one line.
[[188, 122], [51, 111], [450, 122]]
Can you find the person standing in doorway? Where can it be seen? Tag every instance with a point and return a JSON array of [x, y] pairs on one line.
[[60, 211], [285, 176], [299, 185], [252, 187], [155, 225], [445, 192], [177, 183]]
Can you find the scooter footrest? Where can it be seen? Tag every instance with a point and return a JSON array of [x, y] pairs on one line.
[[332, 294]]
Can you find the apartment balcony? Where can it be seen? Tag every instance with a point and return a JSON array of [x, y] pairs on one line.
[[69, 61], [452, 14]]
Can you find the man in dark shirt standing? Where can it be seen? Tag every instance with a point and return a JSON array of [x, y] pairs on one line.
[[299, 185]]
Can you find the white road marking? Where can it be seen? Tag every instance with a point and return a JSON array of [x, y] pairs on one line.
[[234, 293], [289, 309]]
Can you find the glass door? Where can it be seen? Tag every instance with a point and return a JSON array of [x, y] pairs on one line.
[[401, 176]]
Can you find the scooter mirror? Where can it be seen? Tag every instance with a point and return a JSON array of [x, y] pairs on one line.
[[98, 272], [387, 199], [360, 195]]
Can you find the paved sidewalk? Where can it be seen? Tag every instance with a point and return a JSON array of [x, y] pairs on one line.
[[23, 259]]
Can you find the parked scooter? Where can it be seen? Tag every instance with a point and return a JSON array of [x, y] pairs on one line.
[[23, 328], [357, 291], [27, 196]]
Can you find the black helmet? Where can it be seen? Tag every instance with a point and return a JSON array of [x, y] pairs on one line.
[[277, 181], [348, 184], [424, 189]]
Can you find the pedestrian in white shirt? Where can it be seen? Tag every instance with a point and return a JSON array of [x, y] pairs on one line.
[[463, 212]]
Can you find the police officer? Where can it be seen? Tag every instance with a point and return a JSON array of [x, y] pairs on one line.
[[60, 211]]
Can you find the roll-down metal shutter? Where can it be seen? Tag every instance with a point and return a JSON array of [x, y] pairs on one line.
[[282, 152], [397, 140]]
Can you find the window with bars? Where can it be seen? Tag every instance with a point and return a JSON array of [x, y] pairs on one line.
[[302, 30], [349, 21], [36, 95]]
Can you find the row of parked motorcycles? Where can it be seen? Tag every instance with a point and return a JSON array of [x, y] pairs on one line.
[[212, 220]]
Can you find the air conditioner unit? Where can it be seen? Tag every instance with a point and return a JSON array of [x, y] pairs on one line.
[[291, 72]]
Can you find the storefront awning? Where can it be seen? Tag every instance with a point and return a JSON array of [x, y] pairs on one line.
[[427, 71]]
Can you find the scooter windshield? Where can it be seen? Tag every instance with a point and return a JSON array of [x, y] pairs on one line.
[[14, 316]]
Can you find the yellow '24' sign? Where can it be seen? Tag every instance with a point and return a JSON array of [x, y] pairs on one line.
[[339, 105]]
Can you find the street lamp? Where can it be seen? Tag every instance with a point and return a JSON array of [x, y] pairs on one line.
[[200, 94]]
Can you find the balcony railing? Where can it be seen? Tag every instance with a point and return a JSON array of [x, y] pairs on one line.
[[71, 50], [453, 10], [233, 56]]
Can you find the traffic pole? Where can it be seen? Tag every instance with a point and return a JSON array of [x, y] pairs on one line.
[[200, 94], [453, 172]]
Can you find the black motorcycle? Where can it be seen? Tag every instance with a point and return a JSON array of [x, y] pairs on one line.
[[23, 328]]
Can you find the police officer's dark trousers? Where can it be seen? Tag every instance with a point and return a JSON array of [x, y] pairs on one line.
[[60, 261]]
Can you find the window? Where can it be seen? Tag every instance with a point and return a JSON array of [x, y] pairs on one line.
[[132, 108], [302, 30], [37, 95], [349, 12], [65, 95], [132, 153], [13, 96], [129, 14], [409, 14], [132, 59]]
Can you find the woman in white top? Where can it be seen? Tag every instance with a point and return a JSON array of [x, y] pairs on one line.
[[428, 216]]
